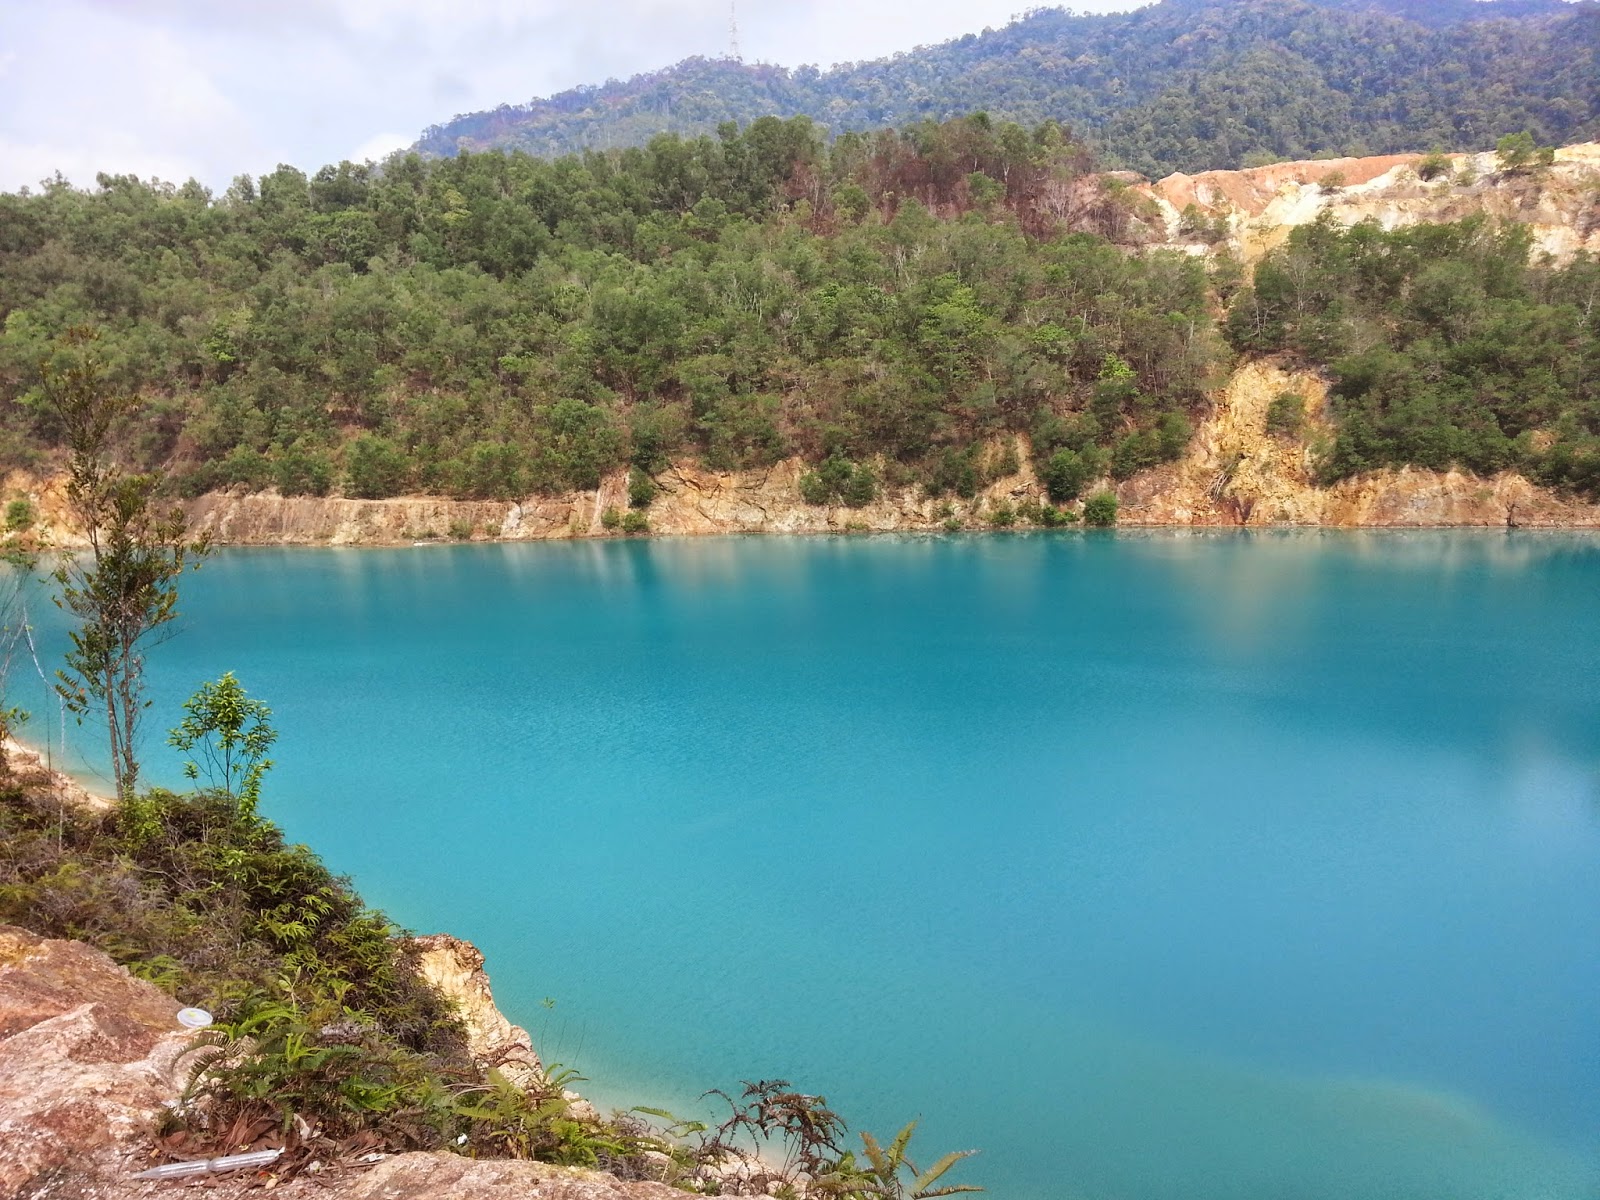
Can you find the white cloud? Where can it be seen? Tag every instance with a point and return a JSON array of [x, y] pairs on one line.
[[216, 88], [379, 146]]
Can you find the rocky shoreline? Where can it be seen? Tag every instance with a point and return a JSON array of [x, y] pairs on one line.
[[91, 1057]]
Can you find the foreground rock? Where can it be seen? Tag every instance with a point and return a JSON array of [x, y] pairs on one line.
[[90, 1056], [426, 1176]]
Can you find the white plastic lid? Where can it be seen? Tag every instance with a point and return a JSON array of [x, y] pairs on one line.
[[193, 1018]]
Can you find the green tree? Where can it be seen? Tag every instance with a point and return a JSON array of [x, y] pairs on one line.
[[16, 566], [1100, 510], [233, 733], [1517, 153], [1433, 165], [1066, 473], [376, 468], [642, 489], [123, 592]]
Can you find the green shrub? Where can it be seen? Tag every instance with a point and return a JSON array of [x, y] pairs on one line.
[[862, 488], [611, 518], [489, 470], [1433, 166], [956, 472], [635, 522], [1100, 510], [248, 469], [641, 488], [1006, 463], [20, 515], [196, 480], [375, 468], [1068, 471], [838, 480], [298, 471], [1173, 432], [217, 898], [1134, 453], [814, 488], [1196, 226], [1286, 415], [1002, 515], [1517, 153]]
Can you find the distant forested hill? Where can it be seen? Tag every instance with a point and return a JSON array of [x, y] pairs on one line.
[[1181, 85], [895, 308]]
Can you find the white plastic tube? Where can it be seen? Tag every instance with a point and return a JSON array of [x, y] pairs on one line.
[[212, 1166]]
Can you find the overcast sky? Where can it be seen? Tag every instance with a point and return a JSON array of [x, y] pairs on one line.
[[215, 88]]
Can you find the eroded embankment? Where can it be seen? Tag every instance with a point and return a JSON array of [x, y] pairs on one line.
[[1258, 207], [1234, 474]]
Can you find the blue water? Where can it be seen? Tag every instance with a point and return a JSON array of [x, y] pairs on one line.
[[1157, 866]]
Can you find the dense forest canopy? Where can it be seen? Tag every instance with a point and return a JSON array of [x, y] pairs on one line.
[[1445, 346], [890, 306], [495, 324], [1183, 85]]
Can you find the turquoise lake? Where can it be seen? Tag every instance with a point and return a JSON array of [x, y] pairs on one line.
[[1170, 866]]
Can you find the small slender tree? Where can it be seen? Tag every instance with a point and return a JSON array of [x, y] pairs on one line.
[[123, 589], [1518, 153], [233, 733], [15, 568]]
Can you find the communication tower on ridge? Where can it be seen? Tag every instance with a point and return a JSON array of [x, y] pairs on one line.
[[733, 30]]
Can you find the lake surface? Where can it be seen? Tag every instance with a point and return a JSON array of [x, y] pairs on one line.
[[1185, 866]]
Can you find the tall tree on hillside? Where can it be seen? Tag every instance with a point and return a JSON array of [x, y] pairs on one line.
[[123, 589]]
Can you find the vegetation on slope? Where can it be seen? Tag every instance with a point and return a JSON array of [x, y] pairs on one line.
[[1446, 347], [493, 325], [328, 1043], [889, 306], [1184, 85]]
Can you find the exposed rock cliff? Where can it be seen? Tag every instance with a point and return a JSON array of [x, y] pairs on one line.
[[88, 1055], [1233, 473], [1236, 473], [454, 969], [1259, 206]]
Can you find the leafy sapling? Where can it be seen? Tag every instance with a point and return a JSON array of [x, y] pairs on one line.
[[233, 734]]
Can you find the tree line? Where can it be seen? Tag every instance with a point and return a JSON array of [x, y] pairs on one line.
[[494, 324], [890, 306], [1184, 85]]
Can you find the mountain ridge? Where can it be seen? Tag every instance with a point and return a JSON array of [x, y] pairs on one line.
[[1180, 85]]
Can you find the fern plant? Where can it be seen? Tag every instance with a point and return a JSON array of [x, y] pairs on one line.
[[890, 1174]]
